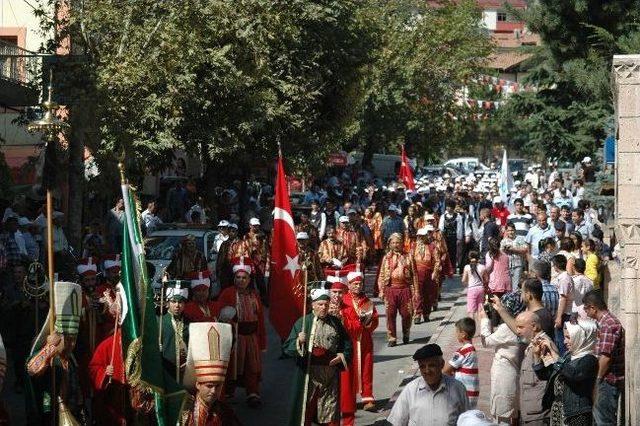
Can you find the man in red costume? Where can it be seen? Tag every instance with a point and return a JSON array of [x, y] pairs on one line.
[[360, 319], [199, 308], [426, 257], [397, 286], [352, 240], [337, 289], [106, 372], [207, 361], [249, 330]]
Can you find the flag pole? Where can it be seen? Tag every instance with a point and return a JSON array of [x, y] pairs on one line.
[[305, 277], [115, 338]]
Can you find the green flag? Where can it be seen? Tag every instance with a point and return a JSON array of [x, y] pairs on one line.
[[139, 322]]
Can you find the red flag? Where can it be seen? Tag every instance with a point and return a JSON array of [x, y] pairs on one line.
[[286, 295], [406, 175]]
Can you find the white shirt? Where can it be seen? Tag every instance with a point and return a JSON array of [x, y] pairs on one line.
[[419, 405], [503, 340], [151, 221], [217, 242]]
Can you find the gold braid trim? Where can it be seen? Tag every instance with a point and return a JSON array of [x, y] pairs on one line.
[[133, 368]]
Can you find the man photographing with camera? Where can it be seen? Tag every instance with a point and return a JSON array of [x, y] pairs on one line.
[[532, 297]]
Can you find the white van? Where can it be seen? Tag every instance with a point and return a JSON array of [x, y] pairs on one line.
[[467, 164]]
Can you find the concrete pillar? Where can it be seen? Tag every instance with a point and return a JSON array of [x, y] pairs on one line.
[[626, 82]]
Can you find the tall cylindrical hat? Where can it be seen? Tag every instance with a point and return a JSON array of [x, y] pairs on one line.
[[209, 352]]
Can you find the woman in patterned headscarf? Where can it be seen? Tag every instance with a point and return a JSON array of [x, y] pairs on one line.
[[570, 378], [505, 369]]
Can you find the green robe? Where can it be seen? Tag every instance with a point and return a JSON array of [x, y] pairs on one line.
[[169, 343], [290, 348]]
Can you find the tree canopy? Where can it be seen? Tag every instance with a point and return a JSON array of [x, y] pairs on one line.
[[228, 80], [571, 112]]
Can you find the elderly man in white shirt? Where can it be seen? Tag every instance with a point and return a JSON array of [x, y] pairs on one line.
[[433, 399]]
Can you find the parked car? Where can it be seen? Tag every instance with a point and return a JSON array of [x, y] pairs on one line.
[[466, 164], [437, 170], [165, 240]]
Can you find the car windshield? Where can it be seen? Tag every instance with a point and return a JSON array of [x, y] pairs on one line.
[[162, 247]]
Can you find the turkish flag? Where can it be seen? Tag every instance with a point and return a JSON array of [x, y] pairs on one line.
[[286, 292], [406, 175]]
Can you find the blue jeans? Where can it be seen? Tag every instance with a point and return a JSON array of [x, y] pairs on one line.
[[605, 409], [558, 339]]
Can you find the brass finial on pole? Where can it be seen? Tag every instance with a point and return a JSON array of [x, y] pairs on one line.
[[50, 126], [123, 180]]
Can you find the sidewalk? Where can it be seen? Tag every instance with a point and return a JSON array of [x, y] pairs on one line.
[[445, 337]]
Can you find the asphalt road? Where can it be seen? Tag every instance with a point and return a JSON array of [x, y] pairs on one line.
[[392, 366]]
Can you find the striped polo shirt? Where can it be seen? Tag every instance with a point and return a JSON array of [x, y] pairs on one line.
[[465, 363], [522, 222]]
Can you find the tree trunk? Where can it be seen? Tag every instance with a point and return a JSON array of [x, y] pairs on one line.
[[78, 121]]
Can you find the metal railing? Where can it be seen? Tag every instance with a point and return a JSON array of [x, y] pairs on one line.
[[18, 65]]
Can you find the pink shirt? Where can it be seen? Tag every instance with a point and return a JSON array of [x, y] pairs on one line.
[[498, 269]]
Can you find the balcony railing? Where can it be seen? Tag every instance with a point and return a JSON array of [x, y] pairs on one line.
[[18, 65]]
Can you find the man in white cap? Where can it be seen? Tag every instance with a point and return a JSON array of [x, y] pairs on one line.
[[207, 363], [360, 319], [500, 212], [249, 329], [317, 340], [234, 248], [427, 258], [352, 240], [309, 258], [222, 236], [532, 177], [53, 351], [588, 170], [332, 252], [175, 329]]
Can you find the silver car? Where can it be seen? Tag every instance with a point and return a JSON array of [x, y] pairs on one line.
[[161, 243]]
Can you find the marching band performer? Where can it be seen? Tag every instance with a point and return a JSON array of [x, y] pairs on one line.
[[175, 329], [199, 308]]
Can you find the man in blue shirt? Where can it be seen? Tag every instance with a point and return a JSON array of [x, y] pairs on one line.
[[391, 224], [582, 226], [538, 232]]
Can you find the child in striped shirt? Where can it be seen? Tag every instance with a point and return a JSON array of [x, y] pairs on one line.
[[464, 362]]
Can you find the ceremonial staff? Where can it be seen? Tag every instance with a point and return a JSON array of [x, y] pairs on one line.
[[50, 126], [307, 344]]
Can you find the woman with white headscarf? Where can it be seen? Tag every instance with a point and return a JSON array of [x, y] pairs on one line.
[[505, 369], [570, 378]]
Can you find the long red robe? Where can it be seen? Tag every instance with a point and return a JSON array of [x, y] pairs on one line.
[[109, 398], [359, 378], [194, 312], [248, 347]]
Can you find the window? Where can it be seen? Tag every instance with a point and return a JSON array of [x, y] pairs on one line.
[[502, 16]]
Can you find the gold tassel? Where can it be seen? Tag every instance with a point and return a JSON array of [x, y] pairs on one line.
[[65, 418]]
